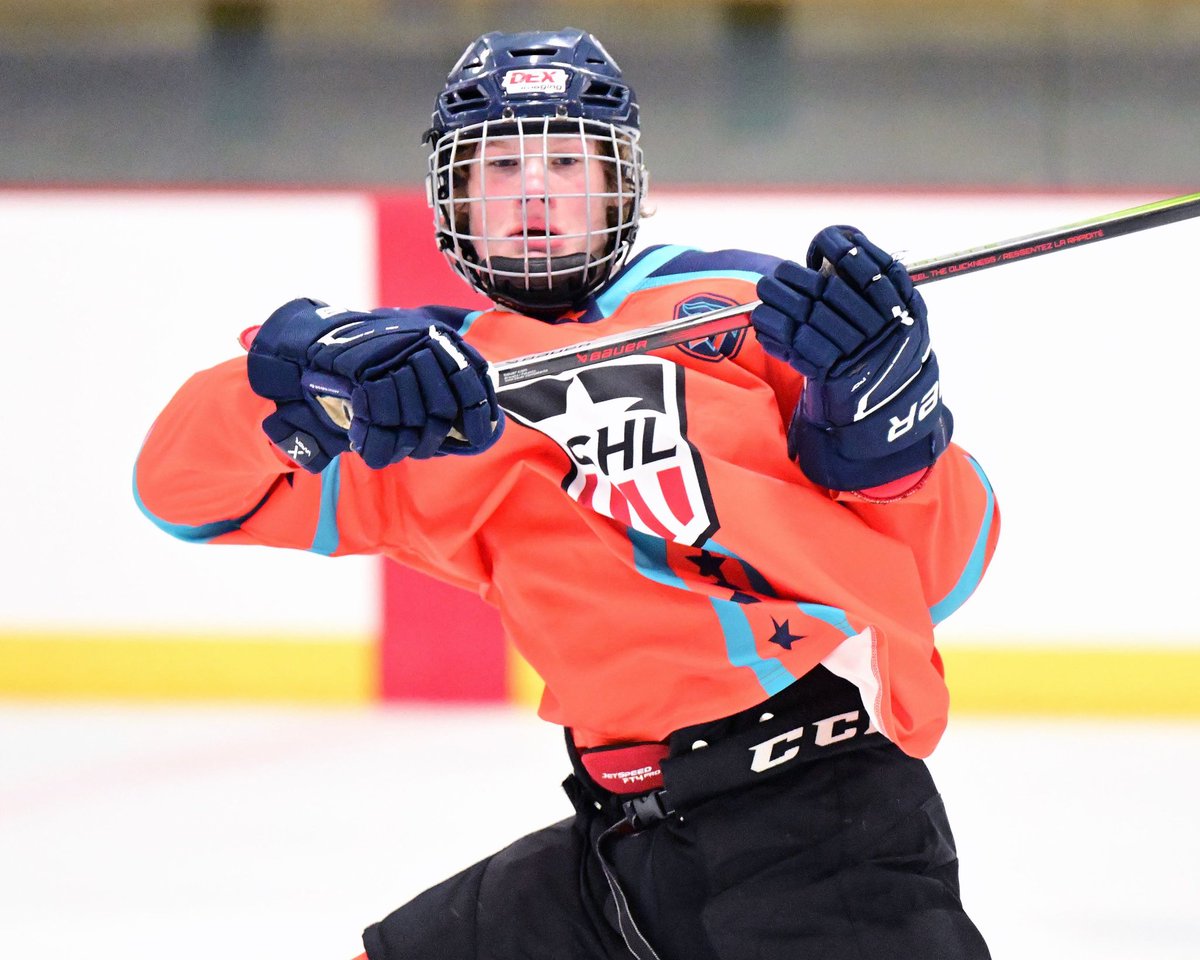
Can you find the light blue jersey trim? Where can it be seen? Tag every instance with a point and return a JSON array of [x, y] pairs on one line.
[[772, 675], [749, 276], [973, 571], [200, 533], [467, 321], [650, 559], [327, 536], [834, 616], [635, 276]]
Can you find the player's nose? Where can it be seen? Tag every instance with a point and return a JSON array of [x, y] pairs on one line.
[[535, 181]]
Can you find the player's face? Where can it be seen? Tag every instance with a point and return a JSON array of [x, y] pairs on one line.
[[538, 197]]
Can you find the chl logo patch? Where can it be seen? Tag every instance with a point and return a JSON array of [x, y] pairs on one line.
[[623, 425], [720, 345]]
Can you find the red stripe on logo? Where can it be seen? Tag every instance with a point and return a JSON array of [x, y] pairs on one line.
[[589, 490], [618, 506], [675, 492], [634, 496]]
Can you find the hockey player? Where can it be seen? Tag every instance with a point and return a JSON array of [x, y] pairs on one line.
[[725, 559]]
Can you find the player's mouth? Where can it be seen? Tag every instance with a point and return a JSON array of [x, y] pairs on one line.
[[537, 237]]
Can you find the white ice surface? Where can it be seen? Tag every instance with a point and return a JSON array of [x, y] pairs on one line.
[[203, 832]]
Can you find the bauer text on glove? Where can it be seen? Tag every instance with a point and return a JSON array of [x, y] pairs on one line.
[[853, 324]]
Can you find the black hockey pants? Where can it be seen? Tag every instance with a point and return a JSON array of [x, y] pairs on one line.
[[804, 835]]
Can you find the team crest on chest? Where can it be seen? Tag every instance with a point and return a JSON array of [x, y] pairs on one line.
[[623, 425], [720, 346]]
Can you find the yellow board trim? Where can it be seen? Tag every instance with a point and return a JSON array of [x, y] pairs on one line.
[[175, 667], [1074, 681], [984, 680], [1044, 680], [524, 685]]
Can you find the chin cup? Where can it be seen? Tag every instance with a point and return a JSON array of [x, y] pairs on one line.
[[542, 287]]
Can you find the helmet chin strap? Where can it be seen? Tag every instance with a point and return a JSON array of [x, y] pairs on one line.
[[539, 286]]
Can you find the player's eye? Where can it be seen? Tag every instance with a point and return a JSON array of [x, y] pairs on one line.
[[503, 163]]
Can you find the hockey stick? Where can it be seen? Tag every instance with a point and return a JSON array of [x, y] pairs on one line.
[[519, 369]]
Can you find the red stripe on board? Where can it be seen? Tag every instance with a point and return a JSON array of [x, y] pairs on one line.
[[412, 271], [438, 642]]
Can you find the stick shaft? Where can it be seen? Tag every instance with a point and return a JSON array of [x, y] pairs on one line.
[[1104, 227], [1031, 245]]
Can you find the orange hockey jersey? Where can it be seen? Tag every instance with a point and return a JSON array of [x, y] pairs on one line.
[[653, 552]]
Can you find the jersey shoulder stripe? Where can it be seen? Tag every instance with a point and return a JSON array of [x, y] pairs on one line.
[[633, 277], [690, 262], [674, 264]]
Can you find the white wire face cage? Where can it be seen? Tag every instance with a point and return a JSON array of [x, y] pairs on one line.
[[558, 217]]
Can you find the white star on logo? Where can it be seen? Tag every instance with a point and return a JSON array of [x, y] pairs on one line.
[[584, 417]]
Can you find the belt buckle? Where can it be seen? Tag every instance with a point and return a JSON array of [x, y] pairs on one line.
[[649, 808]]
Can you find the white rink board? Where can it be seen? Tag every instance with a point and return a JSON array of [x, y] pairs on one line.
[[1055, 369], [129, 294], [1057, 372]]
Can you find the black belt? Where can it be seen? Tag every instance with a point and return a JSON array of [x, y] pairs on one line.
[[820, 715]]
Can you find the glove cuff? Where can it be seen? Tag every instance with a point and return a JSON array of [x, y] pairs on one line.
[[276, 356], [904, 436], [820, 454]]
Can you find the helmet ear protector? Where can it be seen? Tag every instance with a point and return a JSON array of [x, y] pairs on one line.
[[555, 96]]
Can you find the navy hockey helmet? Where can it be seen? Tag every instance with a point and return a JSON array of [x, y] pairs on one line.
[[536, 175]]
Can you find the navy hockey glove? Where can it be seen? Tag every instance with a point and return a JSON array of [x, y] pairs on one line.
[[853, 324], [387, 384]]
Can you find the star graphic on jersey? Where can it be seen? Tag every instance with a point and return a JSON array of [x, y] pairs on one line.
[[783, 635], [739, 597], [709, 565]]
